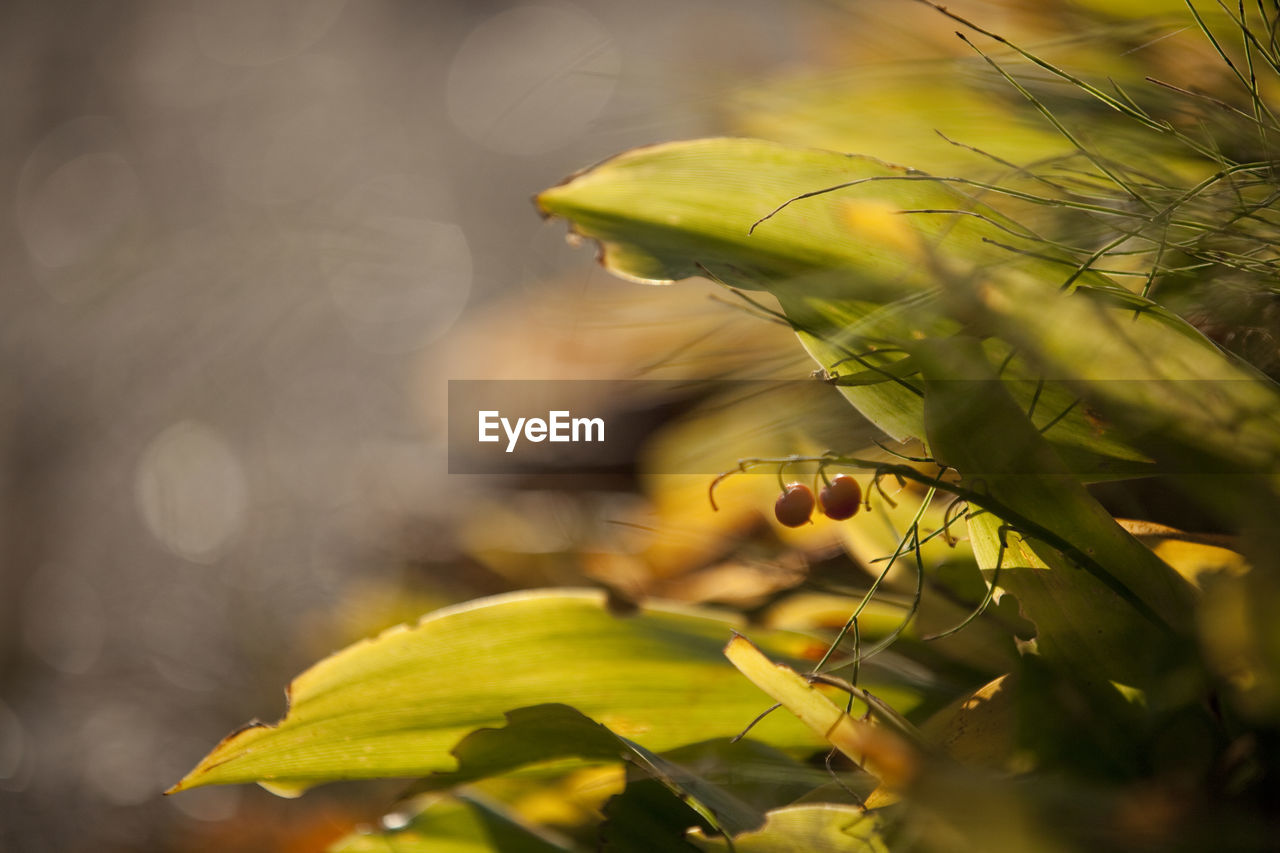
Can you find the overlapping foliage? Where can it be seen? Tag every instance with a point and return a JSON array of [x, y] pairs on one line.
[[1100, 313]]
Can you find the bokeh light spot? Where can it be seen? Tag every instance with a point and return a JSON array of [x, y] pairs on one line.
[[63, 621], [191, 491], [77, 201]]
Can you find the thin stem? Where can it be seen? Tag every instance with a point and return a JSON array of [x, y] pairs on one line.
[[912, 530]]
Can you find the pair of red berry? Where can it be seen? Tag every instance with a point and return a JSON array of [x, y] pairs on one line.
[[839, 500]]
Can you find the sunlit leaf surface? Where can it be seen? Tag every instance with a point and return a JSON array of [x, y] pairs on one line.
[[808, 829], [861, 273], [396, 705]]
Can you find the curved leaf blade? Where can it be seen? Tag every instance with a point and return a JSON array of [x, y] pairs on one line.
[[834, 261], [395, 705], [1084, 587], [860, 273]]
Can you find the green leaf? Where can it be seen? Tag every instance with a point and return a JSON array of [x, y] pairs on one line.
[[686, 209], [395, 705], [764, 776], [978, 726], [548, 732], [672, 211], [887, 748], [708, 778], [807, 829], [464, 824], [1198, 412], [1098, 597], [894, 265], [712, 784], [861, 274]]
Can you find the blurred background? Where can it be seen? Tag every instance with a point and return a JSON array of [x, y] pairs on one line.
[[245, 245]]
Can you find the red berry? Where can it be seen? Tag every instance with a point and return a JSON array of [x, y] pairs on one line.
[[841, 497], [794, 505]]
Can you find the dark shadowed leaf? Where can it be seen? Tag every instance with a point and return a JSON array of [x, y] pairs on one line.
[[464, 824], [815, 828]]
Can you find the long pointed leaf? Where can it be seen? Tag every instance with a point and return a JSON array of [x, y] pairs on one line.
[[395, 706]]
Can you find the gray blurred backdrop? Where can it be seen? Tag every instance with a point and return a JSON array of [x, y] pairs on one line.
[[239, 241]]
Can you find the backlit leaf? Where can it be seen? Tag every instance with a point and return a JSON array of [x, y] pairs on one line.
[[396, 705]]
